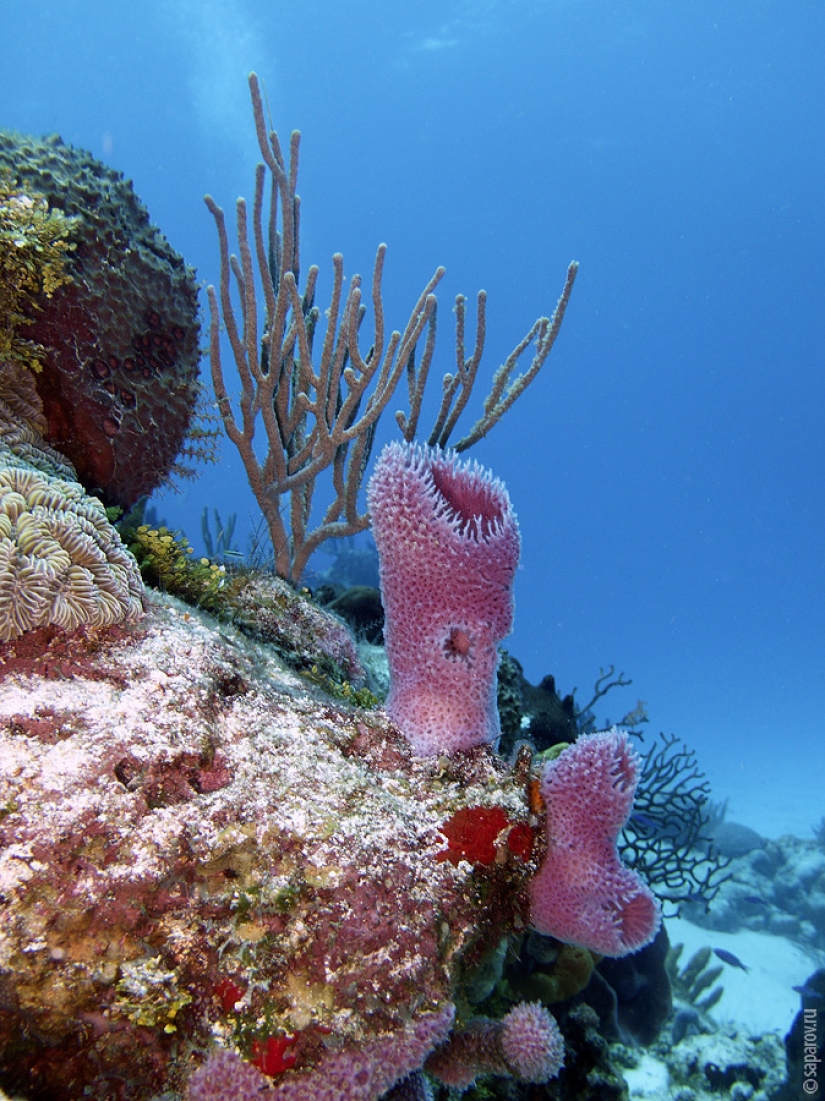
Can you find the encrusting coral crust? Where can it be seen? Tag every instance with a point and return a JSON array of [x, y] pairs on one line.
[[33, 251]]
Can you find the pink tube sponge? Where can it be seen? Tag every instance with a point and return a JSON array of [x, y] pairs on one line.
[[583, 894], [448, 545]]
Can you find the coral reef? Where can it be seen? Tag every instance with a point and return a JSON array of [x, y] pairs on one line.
[[260, 604], [697, 1059], [805, 1043], [448, 545], [221, 879], [725, 1063], [195, 846], [583, 894], [119, 377], [309, 639], [691, 985], [61, 561]]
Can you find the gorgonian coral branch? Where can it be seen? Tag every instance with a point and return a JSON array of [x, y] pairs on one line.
[[319, 409], [666, 838]]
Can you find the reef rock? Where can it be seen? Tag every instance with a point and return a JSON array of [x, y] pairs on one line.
[[199, 849]]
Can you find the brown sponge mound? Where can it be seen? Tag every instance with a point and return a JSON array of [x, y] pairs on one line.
[[120, 377]]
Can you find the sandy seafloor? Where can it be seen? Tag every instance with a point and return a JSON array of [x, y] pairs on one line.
[[758, 1001], [761, 999]]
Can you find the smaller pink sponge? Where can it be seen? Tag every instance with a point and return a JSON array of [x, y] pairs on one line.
[[225, 1075], [531, 1043], [353, 1072], [583, 894], [448, 545]]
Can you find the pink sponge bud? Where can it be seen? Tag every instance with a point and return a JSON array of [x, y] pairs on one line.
[[448, 545], [583, 894], [525, 1044], [531, 1043]]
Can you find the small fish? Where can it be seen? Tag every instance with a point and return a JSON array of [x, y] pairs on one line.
[[728, 957], [754, 900], [808, 991]]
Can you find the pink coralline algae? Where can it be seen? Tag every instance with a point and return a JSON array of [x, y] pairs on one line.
[[449, 546], [198, 849], [583, 894]]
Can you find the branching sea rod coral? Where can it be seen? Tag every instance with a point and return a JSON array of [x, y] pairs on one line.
[[323, 417]]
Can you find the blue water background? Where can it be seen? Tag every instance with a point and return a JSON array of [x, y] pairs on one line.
[[667, 467]]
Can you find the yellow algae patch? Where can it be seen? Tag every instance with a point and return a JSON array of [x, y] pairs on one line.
[[308, 1001]]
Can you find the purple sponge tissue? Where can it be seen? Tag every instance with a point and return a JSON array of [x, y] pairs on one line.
[[448, 544], [362, 1072]]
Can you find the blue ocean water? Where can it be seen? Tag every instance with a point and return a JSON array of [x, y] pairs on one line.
[[667, 466]]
